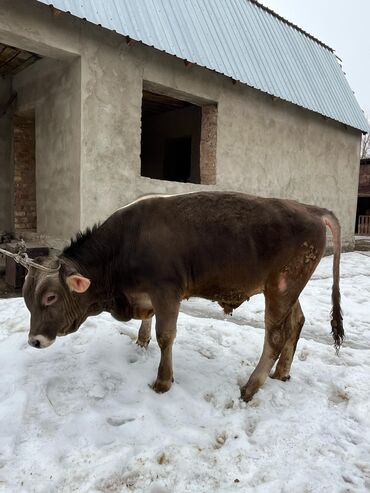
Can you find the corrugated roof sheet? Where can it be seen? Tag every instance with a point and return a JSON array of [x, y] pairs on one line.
[[238, 38]]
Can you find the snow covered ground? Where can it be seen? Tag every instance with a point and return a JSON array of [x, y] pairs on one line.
[[80, 416]]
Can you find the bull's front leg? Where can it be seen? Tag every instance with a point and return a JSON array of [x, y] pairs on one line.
[[143, 337], [166, 308]]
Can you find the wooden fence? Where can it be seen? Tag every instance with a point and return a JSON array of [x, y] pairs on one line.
[[363, 227]]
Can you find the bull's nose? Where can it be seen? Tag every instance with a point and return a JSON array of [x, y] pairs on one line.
[[40, 341], [34, 342]]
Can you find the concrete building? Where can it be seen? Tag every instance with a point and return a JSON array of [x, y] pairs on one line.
[[116, 99]]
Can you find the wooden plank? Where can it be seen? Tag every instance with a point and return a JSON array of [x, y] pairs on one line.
[[364, 225]]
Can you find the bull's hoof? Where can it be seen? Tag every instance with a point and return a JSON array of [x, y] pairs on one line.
[[246, 393], [143, 344], [162, 386], [278, 376]]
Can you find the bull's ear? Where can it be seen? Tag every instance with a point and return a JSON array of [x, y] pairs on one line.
[[78, 283]]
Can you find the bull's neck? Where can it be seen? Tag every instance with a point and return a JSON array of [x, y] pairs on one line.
[[100, 256]]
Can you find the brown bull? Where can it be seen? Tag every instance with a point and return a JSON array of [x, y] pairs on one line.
[[159, 250]]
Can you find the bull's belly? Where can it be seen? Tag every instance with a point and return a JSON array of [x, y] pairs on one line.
[[228, 297]]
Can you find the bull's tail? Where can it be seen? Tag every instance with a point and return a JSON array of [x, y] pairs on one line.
[[336, 313]]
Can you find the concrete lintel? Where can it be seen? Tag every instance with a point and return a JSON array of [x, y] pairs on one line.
[[27, 24], [177, 94]]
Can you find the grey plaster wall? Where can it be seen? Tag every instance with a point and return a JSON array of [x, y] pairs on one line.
[[52, 89], [264, 146], [6, 169]]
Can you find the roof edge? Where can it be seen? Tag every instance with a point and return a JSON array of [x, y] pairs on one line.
[[291, 24]]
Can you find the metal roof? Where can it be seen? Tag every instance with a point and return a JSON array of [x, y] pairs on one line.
[[238, 38]]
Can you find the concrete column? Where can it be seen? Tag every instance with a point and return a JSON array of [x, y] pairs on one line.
[[111, 91], [52, 89], [58, 152]]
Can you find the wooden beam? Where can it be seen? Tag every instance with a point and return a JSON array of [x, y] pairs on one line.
[[4, 107]]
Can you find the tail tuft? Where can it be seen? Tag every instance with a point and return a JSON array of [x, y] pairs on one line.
[[336, 313], [337, 329]]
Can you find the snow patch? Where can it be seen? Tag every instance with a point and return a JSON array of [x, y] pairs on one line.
[[80, 416]]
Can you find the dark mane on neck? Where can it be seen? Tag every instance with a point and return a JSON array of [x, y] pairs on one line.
[[76, 247], [98, 252]]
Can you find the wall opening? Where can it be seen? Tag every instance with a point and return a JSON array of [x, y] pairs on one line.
[[363, 201], [24, 203], [17, 145], [177, 164], [178, 139], [14, 60], [363, 209]]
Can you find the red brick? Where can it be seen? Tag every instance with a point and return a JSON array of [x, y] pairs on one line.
[[208, 144], [24, 173]]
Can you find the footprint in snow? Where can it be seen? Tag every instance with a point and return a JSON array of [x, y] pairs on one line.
[[133, 358], [338, 396], [97, 392], [206, 353], [251, 427], [220, 440], [63, 395], [119, 421]]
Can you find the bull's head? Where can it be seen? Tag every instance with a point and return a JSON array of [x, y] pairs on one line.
[[58, 301]]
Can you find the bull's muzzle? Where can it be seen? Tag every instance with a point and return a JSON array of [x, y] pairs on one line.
[[40, 341]]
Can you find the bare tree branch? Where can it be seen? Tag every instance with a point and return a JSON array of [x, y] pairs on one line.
[[365, 144]]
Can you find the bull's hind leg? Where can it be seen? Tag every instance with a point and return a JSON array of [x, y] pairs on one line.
[[276, 315], [283, 315], [143, 337], [294, 325]]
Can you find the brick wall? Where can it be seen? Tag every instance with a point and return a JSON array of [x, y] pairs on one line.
[[24, 173]]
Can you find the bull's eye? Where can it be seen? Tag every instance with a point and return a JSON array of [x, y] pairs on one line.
[[49, 299]]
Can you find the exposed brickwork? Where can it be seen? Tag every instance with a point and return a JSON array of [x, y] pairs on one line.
[[24, 173], [208, 143]]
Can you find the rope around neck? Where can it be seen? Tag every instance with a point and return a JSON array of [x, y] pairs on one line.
[[23, 259]]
